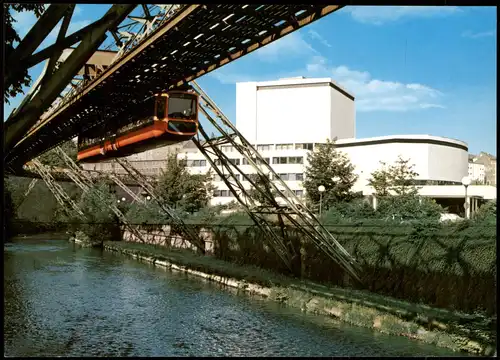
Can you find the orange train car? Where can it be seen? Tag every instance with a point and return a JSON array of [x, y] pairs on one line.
[[175, 119]]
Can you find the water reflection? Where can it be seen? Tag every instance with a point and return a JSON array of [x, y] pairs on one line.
[[66, 301]]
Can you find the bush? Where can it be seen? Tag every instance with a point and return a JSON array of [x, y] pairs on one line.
[[487, 214], [408, 208]]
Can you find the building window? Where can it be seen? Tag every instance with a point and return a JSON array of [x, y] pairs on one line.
[[296, 177], [234, 161], [299, 192], [296, 160], [284, 146], [305, 146], [263, 147], [196, 163]]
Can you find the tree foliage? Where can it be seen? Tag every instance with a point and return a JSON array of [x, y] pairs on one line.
[[99, 222], [12, 37], [182, 190], [333, 170], [487, 213], [397, 179], [399, 201]]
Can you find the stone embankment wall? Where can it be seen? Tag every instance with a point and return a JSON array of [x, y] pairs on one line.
[[163, 236]]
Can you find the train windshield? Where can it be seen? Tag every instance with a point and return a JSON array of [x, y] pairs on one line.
[[182, 106]]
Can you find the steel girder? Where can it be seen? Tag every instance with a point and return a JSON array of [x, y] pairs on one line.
[[33, 39], [23, 120], [294, 211]]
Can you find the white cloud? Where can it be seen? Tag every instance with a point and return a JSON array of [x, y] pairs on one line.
[[290, 45], [471, 35], [315, 36], [226, 77], [371, 94], [378, 15], [375, 94]]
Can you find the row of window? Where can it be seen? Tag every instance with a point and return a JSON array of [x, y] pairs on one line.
[[284, 177], [244, 161], [228, 193], [268, 147], [288, 160]]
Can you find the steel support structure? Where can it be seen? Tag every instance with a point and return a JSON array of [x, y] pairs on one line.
[[62, 198], [30, 186], [84, 182], [294, 211], [184, 229], [26, 117]]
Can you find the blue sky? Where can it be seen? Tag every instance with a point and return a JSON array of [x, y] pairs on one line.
[[413, 70]]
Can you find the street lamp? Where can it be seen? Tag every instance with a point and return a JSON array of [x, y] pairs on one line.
[[321, 190], [466, 182], [123, 199], [148, 197]]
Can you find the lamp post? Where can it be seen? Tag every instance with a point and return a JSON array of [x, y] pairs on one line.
[[466, 182], [321, 190], [148, 197]]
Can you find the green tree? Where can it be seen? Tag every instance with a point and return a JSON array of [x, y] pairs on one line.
[[397, 179], [380, 180], [11, 38], [399, 200], [182, 190], [333, 170], [99, 222]]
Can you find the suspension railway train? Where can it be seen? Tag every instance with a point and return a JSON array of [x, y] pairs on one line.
[[175, 119]]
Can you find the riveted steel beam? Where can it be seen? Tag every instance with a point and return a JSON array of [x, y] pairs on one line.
[[32, 40], [28, 116], [62, 33]]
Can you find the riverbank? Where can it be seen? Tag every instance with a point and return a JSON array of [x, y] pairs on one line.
[[443, 328]]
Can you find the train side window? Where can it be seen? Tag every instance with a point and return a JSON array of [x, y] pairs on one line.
[[161, 107]]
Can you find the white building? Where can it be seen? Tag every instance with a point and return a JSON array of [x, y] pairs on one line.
[[476, 170]]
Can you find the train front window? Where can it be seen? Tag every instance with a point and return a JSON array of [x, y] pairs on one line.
[[160, 107], [182, 106]]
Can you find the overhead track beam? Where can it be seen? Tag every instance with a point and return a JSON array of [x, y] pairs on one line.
[[27, 117]]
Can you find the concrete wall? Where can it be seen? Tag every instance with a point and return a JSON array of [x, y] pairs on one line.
[[343, 116]]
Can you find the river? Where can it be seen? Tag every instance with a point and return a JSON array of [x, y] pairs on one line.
[[61, 300]]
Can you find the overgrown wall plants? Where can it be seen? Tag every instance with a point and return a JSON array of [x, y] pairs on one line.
[[449, 266]]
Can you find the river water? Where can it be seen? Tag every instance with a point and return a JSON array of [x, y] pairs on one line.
[[61, 300]]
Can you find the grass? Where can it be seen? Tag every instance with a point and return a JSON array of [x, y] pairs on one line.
[[354, 306]]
